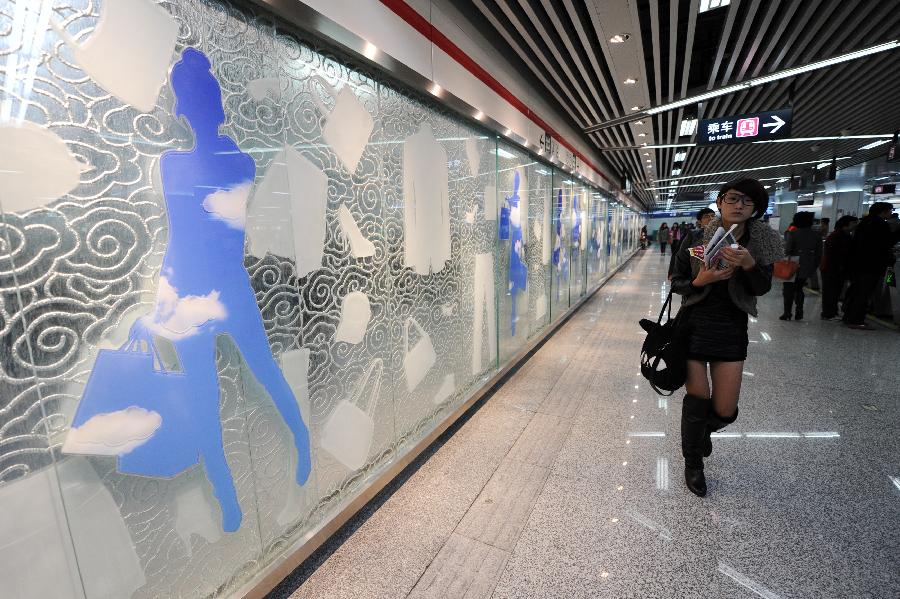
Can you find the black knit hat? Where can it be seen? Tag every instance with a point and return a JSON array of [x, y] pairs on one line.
[[752, 189]]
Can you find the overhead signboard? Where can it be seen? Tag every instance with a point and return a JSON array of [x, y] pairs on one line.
[[742, 128]]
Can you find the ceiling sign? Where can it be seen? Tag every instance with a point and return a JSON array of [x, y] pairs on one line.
[[759, 126]]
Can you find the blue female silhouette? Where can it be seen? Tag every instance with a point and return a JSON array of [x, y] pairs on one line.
[[559, 252], [518, 271], [204, 291]]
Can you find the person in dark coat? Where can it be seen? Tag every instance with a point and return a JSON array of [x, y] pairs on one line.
[[871, 252], [692, 237], [717, 303], [806, 245], [835, 256], [663, 237]]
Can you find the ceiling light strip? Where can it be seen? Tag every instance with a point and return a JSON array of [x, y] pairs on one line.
[[887, 136], [755, 168]]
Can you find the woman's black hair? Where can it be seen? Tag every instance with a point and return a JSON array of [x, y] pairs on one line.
[[803, 220], [752, 189], [844, 221]]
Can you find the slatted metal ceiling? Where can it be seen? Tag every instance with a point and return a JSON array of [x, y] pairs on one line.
[[564, 45]]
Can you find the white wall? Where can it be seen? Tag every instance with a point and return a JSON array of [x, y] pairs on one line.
[[376, 23]]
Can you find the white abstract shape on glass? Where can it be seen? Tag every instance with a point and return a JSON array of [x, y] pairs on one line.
[[195, 511], [470, 215], [113, 433], [547, 231], [418, 359], [36, 167], [107, 560], [518, 215], [426, 198], [348, 124], [360, 247], [295, 366], [473, 154], [448, 309], [264, 87], [287, 214], [229, 205], [35, 558], [484, 304], [490, 203], [447, 389], [355, 316], [179, 317], [349, 431], [540, 305], [129, 51]]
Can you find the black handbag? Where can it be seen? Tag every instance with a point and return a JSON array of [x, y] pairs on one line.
[[663, 360]]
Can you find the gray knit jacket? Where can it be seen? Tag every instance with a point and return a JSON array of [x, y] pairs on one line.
[[744, 287]]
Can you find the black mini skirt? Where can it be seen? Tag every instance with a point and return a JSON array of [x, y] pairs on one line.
[[715, 332]]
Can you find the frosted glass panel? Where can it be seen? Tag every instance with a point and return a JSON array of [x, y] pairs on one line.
[[241, 278]]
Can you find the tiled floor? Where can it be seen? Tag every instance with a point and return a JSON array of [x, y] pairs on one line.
[[568, 481]]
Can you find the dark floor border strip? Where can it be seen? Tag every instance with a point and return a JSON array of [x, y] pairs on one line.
[[271, 576]]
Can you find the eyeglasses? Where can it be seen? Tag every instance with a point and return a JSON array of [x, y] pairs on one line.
[[734, 198]]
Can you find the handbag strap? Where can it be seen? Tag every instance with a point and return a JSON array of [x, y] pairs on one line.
[[363, 381], [136, 336], [667, 304], [415, 323]]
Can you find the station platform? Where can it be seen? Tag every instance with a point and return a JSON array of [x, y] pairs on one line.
[[567, 481]]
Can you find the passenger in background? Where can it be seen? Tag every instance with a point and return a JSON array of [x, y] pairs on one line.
[[835, 258], [644, 237], [714, 315], [871, 252], [675, 236], [806, 244], [692, 237], [662, 236]]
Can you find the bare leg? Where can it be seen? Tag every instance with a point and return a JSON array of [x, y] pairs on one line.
[[726, 387]]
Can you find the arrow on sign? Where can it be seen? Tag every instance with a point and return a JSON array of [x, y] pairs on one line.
[[777, 123]]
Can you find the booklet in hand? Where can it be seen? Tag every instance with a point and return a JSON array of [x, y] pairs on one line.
[[721, 239]]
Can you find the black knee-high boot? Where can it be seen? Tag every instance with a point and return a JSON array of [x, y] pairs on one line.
[[693, 432], [714, 422]]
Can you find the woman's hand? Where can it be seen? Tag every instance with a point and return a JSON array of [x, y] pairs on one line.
[[712, 275], [739, 257]]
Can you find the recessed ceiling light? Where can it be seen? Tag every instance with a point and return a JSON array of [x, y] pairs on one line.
[[676, 172], [648, 160], [636, 108], [370, 51], [630, 81], [680, 156], [688, 127], [639, 122], [642, 134], [646, 153], [619, 38]]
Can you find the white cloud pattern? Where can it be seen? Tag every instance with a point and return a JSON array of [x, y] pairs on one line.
[[113, 433], [179, 317], [229, 205]]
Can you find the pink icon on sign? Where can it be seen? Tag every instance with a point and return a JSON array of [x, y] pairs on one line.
[[748, 127]]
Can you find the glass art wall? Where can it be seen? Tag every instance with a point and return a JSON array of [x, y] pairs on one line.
[[236, 276]]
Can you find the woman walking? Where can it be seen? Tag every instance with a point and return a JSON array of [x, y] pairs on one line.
[[662, 236], [714, 314], [806, 244]]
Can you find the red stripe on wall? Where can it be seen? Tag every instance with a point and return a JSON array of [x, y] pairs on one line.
[[420, 24]]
